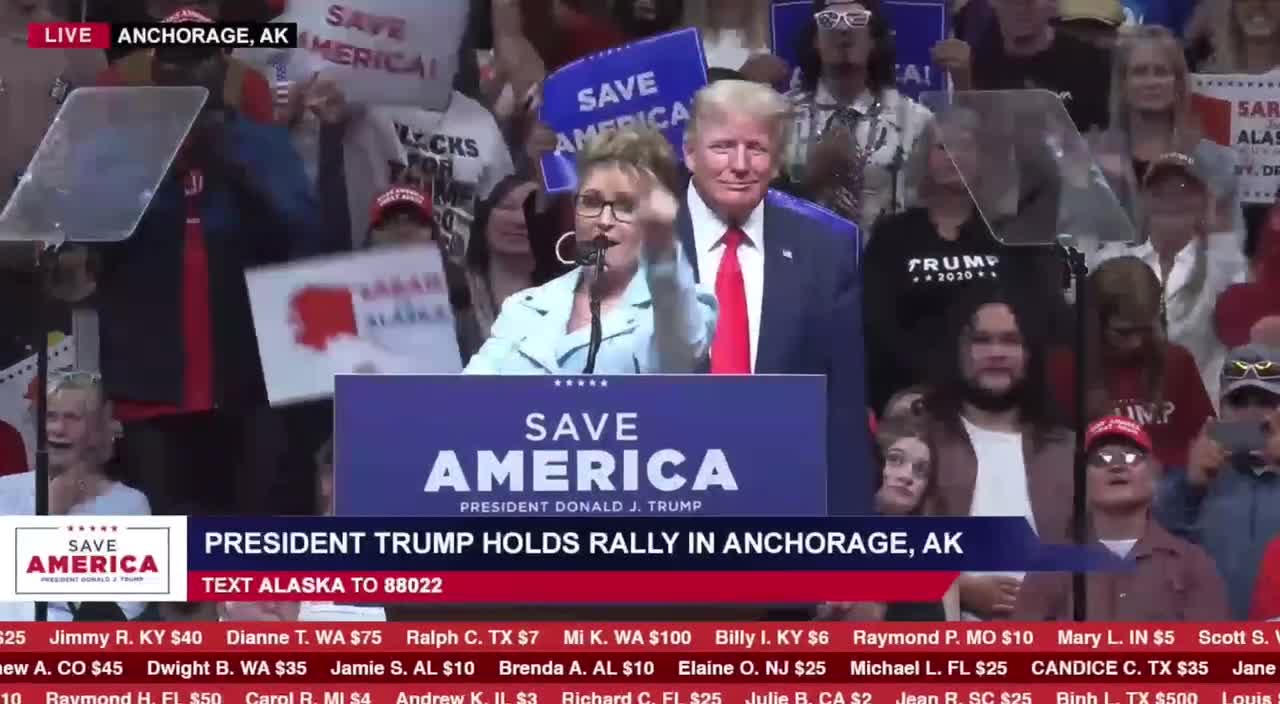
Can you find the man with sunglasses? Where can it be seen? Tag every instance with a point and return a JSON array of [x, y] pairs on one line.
[[1227, 499], [1172, 579]]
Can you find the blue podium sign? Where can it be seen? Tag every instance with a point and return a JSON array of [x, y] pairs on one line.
[[455, 445]]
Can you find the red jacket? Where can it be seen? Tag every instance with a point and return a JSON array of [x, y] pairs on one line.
[[13, 451], [1266, 595]]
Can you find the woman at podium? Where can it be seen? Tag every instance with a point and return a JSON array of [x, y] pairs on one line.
[[631, 306]]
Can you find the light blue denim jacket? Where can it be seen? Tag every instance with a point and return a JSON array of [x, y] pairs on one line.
[[663, 325]]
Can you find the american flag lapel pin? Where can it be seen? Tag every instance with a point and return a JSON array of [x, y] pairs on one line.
[[786, 254]]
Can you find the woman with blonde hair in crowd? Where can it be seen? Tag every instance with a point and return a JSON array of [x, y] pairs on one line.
[[1134, 371], [1235, 36], [907, 478], [1151, 115], [1193, 262]]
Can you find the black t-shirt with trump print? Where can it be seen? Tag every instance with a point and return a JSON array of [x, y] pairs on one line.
[[911, 275]]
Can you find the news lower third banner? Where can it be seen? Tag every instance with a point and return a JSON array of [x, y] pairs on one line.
[[642, 560], [695, 445]]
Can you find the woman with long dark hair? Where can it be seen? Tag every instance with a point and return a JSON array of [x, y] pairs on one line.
[[499, 257], [1134, 371], [852, 129]]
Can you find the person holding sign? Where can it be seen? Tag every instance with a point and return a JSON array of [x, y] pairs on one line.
[[651, 317]]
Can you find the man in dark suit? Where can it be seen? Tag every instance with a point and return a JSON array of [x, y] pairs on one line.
[[785, 272]]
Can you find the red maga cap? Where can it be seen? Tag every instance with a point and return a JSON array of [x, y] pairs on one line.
[[400, 197], [188, 15], [1117, 427]]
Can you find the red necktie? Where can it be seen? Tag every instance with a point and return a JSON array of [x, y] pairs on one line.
[[731, 350]]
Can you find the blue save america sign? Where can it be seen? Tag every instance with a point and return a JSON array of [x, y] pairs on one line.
[[917, 26], [457, 445], [651, 81]]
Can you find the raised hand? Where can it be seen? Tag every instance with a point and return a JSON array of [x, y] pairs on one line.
[[1205, 457], [955, 57], [656, 215]]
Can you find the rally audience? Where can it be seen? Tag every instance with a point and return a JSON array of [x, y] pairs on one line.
[[1227, 498], [1000, 451], [1194, 262], [1241, 36], [1134, 370], [499, 258], [82, 435], [1024, 50], [1173, 580], [1151, 115], [921, 258], [281, 167], [852, 130]]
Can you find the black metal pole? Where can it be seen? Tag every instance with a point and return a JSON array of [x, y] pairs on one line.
[[41, 393], [594, 290], [1079, 514]]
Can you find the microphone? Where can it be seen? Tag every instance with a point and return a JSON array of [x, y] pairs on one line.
[[571, 252]]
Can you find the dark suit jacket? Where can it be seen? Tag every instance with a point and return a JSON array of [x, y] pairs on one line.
[[811, 323]]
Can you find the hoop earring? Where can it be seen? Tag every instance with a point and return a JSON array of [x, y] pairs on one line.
[[560, 249]]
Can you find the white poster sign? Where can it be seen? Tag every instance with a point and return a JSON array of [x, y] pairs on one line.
[[1243, 112], [378, 311], [399, 52]]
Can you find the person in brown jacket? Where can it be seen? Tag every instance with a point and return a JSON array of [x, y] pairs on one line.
[[1000, 451], [1172, 579]]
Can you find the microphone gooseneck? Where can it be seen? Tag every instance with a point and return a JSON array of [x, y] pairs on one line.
[[593, 256]]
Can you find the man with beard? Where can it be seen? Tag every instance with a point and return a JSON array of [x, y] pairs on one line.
[[1172, 579], [999, 450]]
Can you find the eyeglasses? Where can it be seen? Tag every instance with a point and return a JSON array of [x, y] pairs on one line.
[[832, 20], [1111, 458], [590, 205], [1265, 370]]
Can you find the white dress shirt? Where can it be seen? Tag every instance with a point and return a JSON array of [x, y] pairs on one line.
[[708, 236]]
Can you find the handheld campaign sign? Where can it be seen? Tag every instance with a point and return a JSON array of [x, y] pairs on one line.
[[917, 26], [1239, 112], [378, 311], [620, 445], [1030, 173], [401, 52], [100, 164], [651, 81]]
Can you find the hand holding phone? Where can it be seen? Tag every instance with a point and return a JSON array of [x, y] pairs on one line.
[[1240, 437]]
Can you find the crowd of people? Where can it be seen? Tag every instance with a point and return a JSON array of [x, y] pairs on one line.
[[954, 348]]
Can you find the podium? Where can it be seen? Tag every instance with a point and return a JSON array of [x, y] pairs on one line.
[[603, 446]]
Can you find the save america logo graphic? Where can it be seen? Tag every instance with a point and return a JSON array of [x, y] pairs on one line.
[[102, 556]]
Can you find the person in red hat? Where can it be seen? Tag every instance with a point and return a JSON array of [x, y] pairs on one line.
[[231, 82], [1173, 580]]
